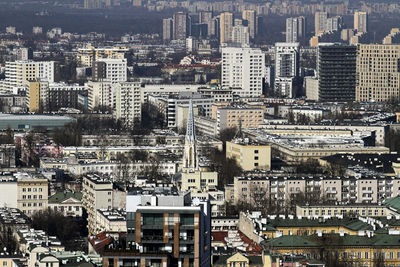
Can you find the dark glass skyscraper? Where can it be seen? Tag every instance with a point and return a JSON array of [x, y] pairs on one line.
[[336, 72]]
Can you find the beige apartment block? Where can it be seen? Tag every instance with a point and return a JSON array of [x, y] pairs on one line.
[[97, 193], [249, 155], [32, 194], [378, 72]]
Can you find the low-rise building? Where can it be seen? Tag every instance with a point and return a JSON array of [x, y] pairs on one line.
[[249, 155], [346, 190], [370, 210], [30, 238], [13, 219], [67, 202], [239, 117], [111, 221]]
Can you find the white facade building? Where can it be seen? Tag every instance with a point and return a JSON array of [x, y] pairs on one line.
[[19, 73], [127, 102], [241, 35], [115, 70], [243, 70], [286, 68]]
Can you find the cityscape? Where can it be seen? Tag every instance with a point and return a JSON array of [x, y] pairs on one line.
[[190, 133]]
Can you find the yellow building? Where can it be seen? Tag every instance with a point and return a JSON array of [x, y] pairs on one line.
[[370, 210], [86, 56], [250, 156], [240, 260], [199, 181], [378, 76], [226, 26], [34, 96]]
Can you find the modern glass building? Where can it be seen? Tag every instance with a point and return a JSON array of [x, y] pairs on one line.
[[336, 68]]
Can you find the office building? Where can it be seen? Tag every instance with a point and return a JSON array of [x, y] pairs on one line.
[[361, 21], [249, 155], [286, 69], [240, 35], [226, 26], [250, 21], [181, 23], [377, 72], [243, 70], [336, 68], [110, 70], [127, 102], [295, 29], [168, 29]]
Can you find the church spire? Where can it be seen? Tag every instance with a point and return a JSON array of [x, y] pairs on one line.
[[190, 160], [190, 130]]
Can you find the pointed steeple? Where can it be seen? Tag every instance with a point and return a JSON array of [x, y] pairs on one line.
[[190, 161], [190, 130]]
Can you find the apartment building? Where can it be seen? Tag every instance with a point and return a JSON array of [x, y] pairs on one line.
[[169, 106], [19, 73], [87, 56], [361, 21], [100, 94], [243, 70], [378, 72], [164, 228], [240, 35], [250, 18], [295, 29], [110, 70], [249, 155], [286, 69], [226, 25], [370, 210], [32, 193], [127, 102], [97, 193], [346, 190], [233, 117], [167, 89]]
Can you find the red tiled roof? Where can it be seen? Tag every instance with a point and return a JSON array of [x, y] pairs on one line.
[[219, 236], [252, 248]]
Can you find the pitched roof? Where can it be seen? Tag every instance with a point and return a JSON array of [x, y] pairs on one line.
[[61, 196]]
